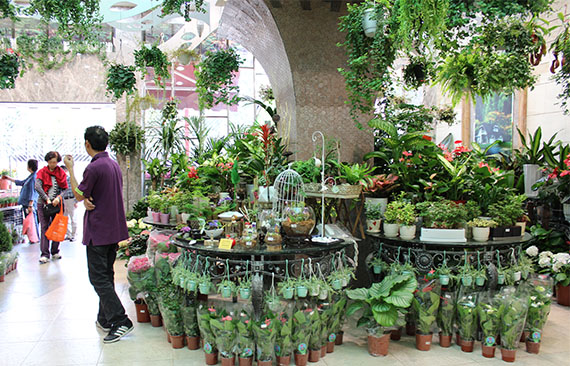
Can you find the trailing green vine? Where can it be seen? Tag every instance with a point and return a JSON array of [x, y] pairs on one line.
[[10, 64], [420, 20], [8, 10], [182, 7], [214, 77], [126, 138], [155, 58], [121, 80]]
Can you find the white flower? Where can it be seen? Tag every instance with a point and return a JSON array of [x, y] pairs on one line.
[[556, 266], [544, 261], [532, 251], [545, 254], [131, 223], [563, 258], [317, 162]]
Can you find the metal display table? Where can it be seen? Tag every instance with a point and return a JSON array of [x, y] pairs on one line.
[[427, 255], [159, 225], [263, 265]]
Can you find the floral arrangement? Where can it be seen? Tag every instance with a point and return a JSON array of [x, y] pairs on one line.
[[557, 265], [137, 227], [140, 274]]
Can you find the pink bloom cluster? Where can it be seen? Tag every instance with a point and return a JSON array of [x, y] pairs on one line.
[[138, 265]]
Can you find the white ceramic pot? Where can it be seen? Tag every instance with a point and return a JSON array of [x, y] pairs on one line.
[[369, 24], [373, 226], [383, 202], [481, 233], [185, 218], [408, 232], [443, 235], [391, 230], [531, 175]]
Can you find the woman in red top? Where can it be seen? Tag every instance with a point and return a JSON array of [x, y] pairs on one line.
[[51, 180]]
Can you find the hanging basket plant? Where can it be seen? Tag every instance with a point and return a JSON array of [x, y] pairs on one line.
[[7, 10], [183, 7], [418, 72], [10, 64], [153, 57], [126, 138], [214, 76], [121, 80], [184, 56]]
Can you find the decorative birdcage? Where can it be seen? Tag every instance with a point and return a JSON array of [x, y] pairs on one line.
[[290, 191]]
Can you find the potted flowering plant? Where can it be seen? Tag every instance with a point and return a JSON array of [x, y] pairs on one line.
[[283, 340], [514, 309], [426, 303], [213, 229], [265, 331], [446, 318], [381, 303], [301, 335], [224, 329], [538, 310], [245, 342], [488, 310], [205, 315]]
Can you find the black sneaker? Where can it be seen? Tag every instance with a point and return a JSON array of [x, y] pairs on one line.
[[118, 332], [104, 328]]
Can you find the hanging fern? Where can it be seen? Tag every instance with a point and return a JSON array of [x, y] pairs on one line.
[[420, 20], [182, 7], [214, 77]]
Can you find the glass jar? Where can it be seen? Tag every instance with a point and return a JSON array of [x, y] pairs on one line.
[[298, 220], [273, 239], [248, 241]]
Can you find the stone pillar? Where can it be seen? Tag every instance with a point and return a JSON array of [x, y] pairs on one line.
[[131, 169]]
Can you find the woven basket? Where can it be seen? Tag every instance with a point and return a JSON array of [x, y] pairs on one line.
[[312, 187], [349, 190]]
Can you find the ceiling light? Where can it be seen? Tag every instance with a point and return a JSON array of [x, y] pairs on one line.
[[122, 6], [179, 83], [180, 68]]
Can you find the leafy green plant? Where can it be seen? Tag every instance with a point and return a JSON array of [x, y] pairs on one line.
[[205, 315], [214, 78], [8, 10], [265, 331], [283, 340], [373, 211], [514, 311], [156, 59], [126, 138], [426, 303], [482, 223], [442, 214], [190, 319], [10, 64], [315, 325], [225, 285], [488, 310], [245, 342], [508, 211], [406, 215], [182, 7], [307, 169], [446, 313], [539, 308], [5, 237], [121, 80], [391, 213], [301, 330], [224, 329], [383, 301], [353, 173], [467, 317]]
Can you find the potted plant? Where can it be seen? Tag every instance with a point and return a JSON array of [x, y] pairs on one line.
[[378, 265], [287, 288], [407, 219], [191, 329], [444, 273], [121, 80], [299, 220], [126, 138], [205, 315], [506, 213], [373, 213], [204, 283], [170, 301], [245, 342], [156, 59], [283, 340], [165, 210], [391, 227], [467, 273], [224, 328], [467, 320], [381, 303], [339, 317], [315, 341], [352, 175], [377, 187], [155, 204], [426, 303], [10, 63], [446, 318], [480, 276], [244, 287], [265, 331], [442, 221], [488, 310], [226, 288], [513, 314], [301, 335], [538, 310], [481, 228], [214, 78], [184, 55]]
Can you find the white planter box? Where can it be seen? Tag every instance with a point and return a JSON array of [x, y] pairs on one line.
[[443, 235]]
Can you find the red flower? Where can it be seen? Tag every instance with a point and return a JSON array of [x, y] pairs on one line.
[[554, 174], [427, 289], [401, 160], [448, 156], [426, 137], [406, 153], [458, 142], [9, 50], [192, 173], [564, 172], [226, 318]]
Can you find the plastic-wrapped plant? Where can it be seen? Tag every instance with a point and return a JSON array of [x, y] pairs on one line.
[[489, 313], [446, 313], [339, 314], [224, 328], [326, 316], [315, 341], [265, 331], [514, 309], [467, 316], [170, 302], [283, 341], [301, 330], [245, 342], [190, 318], [426, 303], [539, 307], [205, 314], [140, 274]]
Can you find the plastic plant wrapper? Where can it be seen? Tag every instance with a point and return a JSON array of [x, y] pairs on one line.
[[315, 341], [425, 304], [224, 328], [283, 341], [163, 268], [538, 307], [170, 303], [326, 316], [190, 319], [514, 308], [467, 315], [489, 312], [245, 342], [140, 274], [302, 329], [265, 331], [159, 242], [339, 314], [446, 313], [205, 314]]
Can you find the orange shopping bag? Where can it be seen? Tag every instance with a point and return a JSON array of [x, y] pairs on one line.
[[58, 228]]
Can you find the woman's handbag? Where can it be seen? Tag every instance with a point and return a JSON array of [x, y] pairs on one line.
[[58, 228], [50, 210]]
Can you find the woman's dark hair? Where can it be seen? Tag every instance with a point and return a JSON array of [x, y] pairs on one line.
[[33, 165], [97, 137], [53, 154]]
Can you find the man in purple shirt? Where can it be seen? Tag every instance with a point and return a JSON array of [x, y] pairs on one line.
[[104, 225]]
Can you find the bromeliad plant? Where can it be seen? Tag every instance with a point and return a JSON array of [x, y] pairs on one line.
[[426, 304], [383, 301]]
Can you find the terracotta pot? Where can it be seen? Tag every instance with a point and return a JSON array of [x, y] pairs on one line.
[[457, 339], [508, 355], [410, 329], [177, 341], [378, 346], [330, 347], [283, 360], [1, 278], [532, 347], [314, 355], [156, 320], [467, 346], [264, 363], [142, 313], [193, 342], [228, 361], [248, 361], [488, 351], [444, 340], [168, 338], [211, 358], [423, 341], [301, 360], [396, 334], [339, 337], [323, 351]]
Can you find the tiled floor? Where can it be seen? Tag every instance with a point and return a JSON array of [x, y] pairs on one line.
[[47, 315]]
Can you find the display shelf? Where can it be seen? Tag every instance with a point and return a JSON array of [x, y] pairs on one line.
[[147, 221]]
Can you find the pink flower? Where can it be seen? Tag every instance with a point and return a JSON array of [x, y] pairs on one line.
[[564, 173], [246, 322], [448, 156], [267, 322], [211, 309], [406, 153], [9, 50], [227, 318], [554, 174], [401, 160]]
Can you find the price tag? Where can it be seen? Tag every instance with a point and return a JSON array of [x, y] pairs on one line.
[[226, 244]]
